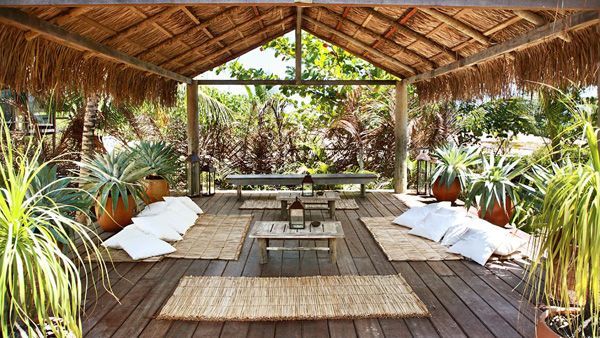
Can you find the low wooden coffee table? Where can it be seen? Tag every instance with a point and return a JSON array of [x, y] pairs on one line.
[[328, 197], [267, 230]]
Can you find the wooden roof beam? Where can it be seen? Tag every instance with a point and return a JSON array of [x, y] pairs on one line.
[[377, 37], [536, 36], [538, 20], [298, 45], [61, 19], [137, 27], [410, 33], [361, 45], [58, 34], [458, 25]]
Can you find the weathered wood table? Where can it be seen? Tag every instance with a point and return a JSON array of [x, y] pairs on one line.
[[267, 230], [328, 197]]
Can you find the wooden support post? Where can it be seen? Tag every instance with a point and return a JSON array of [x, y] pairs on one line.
[[401, 135], [88, 143], [192, 126], [298, 45]]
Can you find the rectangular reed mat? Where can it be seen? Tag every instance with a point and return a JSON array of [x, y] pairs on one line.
[[343, 204], [399, 245], [212, 237], [210, 298]]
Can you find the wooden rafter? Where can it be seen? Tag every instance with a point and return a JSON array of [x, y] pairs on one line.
[[296, 83], [58, 34], [374, 35], [489, 32], [410, 33], [256, 12], [533, 37], [298, 45], [458, 25], [61, 19], [538, 20], [139, 26], [360, 44]]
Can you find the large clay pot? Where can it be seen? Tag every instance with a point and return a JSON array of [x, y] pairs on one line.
[[542, 330], [156, 189], [114, 220], [444, 193], [498, 215]]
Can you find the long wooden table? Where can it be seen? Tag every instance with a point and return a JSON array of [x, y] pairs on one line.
[[296, 179], [267, 230], [328, 197]]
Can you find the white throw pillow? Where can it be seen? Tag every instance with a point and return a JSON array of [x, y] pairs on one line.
[[153, 209], [457, 230], [153, 225], [435, 225], [178, 217], [129, 232], [480, 241], [511, 244], [414, 216], [146, 246], [188, 202]]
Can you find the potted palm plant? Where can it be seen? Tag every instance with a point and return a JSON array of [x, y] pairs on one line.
[[42, 288], [115, 180], [163, 161], [493, 190], [569, 246], [452, 171]]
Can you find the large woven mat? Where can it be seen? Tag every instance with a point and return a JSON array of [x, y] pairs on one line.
[[212, 237], [343, 204], [292, 298], [399, 245]]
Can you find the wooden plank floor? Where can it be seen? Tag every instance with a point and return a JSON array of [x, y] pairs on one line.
[[465, 299]]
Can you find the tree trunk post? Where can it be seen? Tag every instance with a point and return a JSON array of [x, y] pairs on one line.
[[192, 125], [401, 136], [88, 138]]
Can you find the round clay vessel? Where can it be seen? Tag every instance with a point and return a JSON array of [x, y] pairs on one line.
[[542, 330], [445, 193], [156, 189], [498, 215], [115, 220]]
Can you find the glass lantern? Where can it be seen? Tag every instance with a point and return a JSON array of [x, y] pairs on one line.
[[207, 179], [296, 215], [193, 175], [308, 186], [423, 172]]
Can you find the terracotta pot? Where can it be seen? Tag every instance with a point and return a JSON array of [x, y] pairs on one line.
[[498, 215], [445, 193], [542, 330], [115, 220], [156, 189]]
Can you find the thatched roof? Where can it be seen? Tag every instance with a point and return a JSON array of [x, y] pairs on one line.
[[189, 40]]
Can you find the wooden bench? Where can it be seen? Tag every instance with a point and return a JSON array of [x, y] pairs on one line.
[[296, 179]]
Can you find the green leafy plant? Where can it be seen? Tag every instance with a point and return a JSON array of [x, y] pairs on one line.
[[41, 287], [494, 183], [160, 157], [454, 162], [114, 175]]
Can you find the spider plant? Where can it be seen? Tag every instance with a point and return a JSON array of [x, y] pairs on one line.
[[494, 185], [41, 287], [454, 162], [160, 157]]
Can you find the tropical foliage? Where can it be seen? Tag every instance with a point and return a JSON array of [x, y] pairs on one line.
[[159, 157], [454, 162]]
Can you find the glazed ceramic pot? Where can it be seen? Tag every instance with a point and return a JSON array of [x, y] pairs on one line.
[[498, 215], [156, 188], [114, 220], [443, 192]]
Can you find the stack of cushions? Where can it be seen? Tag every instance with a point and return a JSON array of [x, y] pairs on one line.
[[463, 233], [159, 223]]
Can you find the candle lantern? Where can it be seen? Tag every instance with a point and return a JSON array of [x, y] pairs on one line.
[[193, 175], [308, 186], [207, 177], [423, 172], [296, 215]]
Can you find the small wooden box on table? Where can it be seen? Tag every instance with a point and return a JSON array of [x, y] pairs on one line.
[[327, 230], [328, 197]]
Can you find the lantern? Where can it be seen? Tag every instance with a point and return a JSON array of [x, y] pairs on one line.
[[207, 179], [193, 175], [423, 172], [296, 215], [308, 186]]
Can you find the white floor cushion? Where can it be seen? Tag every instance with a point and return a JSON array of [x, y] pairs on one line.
[[188, 202], [510, 245], [114, 242], [153, 209], [146, 246], [153, 225], [414, 216], [480, 241], [457, 230], [435, 225], [178, 216]]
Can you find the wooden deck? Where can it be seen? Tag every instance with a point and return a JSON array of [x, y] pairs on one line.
[[465, 299]]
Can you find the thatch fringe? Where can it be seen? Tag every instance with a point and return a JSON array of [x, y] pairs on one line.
[[43, 68], [556, 63]]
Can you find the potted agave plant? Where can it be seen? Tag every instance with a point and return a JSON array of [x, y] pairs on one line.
[[162, 159], [568, 227], [493, 190], [452, 171], [115, 180]]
